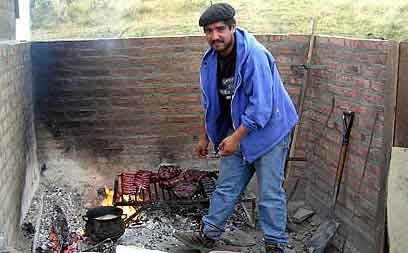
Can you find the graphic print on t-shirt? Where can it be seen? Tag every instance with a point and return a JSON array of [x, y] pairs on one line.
[[227, 87]]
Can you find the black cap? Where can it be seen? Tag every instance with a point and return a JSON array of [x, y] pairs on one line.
[[216, 12]]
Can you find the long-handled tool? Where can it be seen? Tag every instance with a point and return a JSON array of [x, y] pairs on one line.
[[290, 157], [301, 101], [327, 229]]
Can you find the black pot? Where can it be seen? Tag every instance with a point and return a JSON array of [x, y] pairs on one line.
[[104, 222]]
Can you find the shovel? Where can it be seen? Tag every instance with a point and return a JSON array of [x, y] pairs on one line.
[[326, 230]]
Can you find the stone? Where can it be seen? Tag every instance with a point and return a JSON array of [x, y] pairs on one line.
[[291, 227], [302, 214], [293, 206], [238, 237]]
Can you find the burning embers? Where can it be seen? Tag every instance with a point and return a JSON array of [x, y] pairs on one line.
[[60, 239]]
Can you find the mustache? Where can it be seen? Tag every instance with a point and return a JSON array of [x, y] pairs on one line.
[[214, 41]]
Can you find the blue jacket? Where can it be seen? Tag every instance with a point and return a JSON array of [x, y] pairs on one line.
[[260, 101]]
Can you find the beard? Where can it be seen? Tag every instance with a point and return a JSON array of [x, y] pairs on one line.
[[220, 46]]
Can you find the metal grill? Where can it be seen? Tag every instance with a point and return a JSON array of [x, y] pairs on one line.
[[128, 192], [141, 189]]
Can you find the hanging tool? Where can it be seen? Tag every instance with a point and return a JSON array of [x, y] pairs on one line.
[[328, 228]]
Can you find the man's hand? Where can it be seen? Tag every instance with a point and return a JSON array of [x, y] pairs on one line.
[[202, 146], [230, 144]]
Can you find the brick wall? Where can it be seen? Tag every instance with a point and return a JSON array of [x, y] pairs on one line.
[[18, 160], [7, 20], [357, 78], [137, 102]]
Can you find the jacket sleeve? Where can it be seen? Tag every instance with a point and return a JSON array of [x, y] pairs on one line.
[[204, 101], [260, 75]]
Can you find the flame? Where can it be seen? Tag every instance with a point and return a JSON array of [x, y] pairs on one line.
[[108, 200], [81, 232], [128, 210], [53, 239]]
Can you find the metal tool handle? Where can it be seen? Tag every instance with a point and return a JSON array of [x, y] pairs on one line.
[[348, 119]]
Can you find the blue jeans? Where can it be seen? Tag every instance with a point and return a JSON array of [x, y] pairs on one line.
[[235, 174]]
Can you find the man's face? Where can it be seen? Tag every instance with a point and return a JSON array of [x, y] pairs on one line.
[[220, 36]]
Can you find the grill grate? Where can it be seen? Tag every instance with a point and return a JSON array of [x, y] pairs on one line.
[[144, 188], [136, 189]]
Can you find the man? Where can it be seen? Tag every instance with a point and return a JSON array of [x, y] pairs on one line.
[[248, 117]]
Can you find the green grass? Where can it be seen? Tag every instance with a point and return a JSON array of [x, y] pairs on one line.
[[129, 18]]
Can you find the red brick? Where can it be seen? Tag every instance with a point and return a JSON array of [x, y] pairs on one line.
[[336, 41], [372, 99], [185, 98], [377, 86], [375, 72]]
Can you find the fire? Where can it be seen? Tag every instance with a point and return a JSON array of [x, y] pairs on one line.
[[53, 238], [128, 210], [80, 232], [108, 200]]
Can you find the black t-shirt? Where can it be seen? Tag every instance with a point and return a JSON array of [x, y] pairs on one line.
[[226, 84]]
